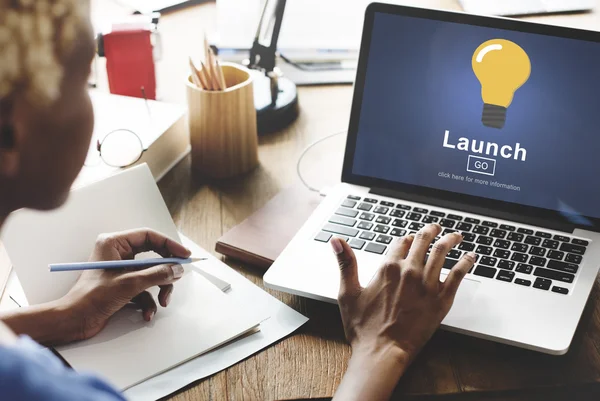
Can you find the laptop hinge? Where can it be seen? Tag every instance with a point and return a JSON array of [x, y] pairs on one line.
[[551, 225]]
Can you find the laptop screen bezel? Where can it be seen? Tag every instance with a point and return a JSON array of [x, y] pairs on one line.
[[431, 194]]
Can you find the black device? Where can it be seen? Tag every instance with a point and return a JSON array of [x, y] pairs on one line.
[[275, 96]]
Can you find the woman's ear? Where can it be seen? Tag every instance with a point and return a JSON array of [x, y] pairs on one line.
[[9, 157]]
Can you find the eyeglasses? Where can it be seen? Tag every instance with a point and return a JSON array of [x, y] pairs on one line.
[[119, 148]]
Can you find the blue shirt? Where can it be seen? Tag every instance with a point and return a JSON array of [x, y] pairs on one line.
[[29, 372]]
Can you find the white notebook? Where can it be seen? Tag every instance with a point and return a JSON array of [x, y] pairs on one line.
[[129, 350]]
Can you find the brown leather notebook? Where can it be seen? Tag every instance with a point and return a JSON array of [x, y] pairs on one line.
[[260, 238]]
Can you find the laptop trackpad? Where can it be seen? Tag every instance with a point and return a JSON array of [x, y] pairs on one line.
[[462, 309]]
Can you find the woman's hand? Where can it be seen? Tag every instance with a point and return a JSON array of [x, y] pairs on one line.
[[98, 294], [388, 322]]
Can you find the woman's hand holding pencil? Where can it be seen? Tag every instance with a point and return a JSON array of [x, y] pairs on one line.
[[210, 75]]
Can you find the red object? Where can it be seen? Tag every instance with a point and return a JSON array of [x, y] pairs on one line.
[[130, 63]]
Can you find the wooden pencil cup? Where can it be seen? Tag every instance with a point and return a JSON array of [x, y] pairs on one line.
[[223, 130]]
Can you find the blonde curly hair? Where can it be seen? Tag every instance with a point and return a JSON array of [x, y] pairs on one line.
[[35, 38]]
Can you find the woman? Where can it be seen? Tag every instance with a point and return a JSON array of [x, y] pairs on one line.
[[46, 124]]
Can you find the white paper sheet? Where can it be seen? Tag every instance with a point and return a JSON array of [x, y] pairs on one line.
[[35, 239], [130, 350], [283, 321]]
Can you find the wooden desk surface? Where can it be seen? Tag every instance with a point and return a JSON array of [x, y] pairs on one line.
[[310, 363]]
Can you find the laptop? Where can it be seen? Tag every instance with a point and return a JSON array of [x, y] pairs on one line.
[[525, 7], [489, 127]]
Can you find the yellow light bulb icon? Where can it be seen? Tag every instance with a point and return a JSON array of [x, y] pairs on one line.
[[502, 67]]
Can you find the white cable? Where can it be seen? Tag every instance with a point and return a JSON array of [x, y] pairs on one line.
[[305, 151]]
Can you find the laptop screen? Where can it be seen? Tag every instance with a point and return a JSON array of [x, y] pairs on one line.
[[498, 114]]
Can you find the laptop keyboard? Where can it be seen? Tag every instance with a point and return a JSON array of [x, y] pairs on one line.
[[517, 255]]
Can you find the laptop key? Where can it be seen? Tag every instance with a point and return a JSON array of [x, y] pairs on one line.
[[449, 231], [525, 231], [524, 268], [543, 234], [542, 284], [489, 224], [454, 217], [562, 238], [371, 200], [515, 237], [506, 227], [466, 246], [556, 255], [485, 271], [342, 237], [386, 203], [367, 216], [398, 232], [502, 254], [336, 229], [519, 248], [454, 254], [365, 206], [496, 233], [354, 197], [403, 207], [488, 261], [573, 258], [447, 223], [520, 281], [505, 275], [548, 243], [468, 237], [484, 250], [342, 211], [462, 226], [430, 219], [416, 226], [414, 216], [576, 249], [420, 210], [397, 213], [400, 223], [349, 203], [472, 220], [537, 261], [485, 240], [537, 251], [531, 240], [384, 239], [344, 221], [502, 244], [553, 275], [357, 243], [580, 242], [323, 237], [563, 267], [383, 220], [506, 264], [381, 229], [437, 214], [481, 230], [519, 257], [369, 236], [375, 248], [560, 290], [381, 210], [364, 225]]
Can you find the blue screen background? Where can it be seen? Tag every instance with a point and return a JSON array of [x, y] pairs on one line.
[[419, 83]]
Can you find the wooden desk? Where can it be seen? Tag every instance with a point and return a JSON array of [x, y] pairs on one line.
[[309, 364]]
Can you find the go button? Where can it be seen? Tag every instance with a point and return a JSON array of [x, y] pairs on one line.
[[481, 165]]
